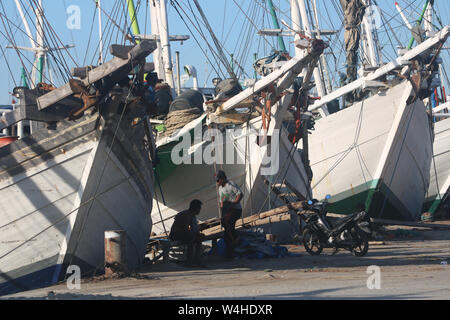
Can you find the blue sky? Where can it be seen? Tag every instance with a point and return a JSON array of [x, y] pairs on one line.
[[234, 21]]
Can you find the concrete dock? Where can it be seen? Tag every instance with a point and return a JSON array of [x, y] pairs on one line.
[[410, 268]]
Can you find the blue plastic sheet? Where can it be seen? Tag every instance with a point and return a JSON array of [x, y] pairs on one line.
[[255, 248]]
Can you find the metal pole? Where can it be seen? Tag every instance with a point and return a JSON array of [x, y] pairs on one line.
[[307, 28], [134, 21], [100, 31], [441, 73], [419, 22], [40, 42], [157, 54], [296, 25], [323, 62], [222, 56], [276, 25], [49, 73], [25, 23], [165, 44], [405, 20], [4, 131], [255, 57], [192, 72], [428, 23], [115, 252], [232, 61], [367, 23], [24, 78], [19, 127], [177, 55]]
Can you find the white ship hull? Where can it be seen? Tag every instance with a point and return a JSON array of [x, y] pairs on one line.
[[196, 181], [376, 153], [440, 167], [60, 197]]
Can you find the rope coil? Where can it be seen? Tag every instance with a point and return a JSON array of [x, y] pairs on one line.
[[179, 118]]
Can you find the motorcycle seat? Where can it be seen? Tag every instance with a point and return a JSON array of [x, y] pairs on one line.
[[341, 221]]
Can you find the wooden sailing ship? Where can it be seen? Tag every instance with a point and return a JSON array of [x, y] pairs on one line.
[[87, 170]]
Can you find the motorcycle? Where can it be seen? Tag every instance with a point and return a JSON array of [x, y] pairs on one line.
[[351, 233]]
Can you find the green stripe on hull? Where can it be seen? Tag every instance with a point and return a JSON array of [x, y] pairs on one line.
[[384, 204], [432, 204], [166, 167], [347, 205], [379, 201]]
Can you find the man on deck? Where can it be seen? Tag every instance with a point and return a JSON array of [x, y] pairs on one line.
[[230, 197], [354, 11]]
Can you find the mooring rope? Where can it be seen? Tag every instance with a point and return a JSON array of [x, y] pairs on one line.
[[179, 118]]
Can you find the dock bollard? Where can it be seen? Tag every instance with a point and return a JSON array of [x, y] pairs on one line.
[[115, 252]]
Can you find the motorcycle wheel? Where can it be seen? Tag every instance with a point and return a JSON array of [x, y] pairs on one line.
[[361, 243], [311, 242]]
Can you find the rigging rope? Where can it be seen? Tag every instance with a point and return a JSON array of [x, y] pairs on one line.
[[350, 148], [64, 217], [397, 161], [19, 54], [90, 37], [173, 2]]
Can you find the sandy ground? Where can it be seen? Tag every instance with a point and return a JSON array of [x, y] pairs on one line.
[[409, 269]]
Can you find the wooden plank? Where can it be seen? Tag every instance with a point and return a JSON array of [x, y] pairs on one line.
[[277, 192], [273, 219], [376, 243], [398, 223], [54, 96], [209, 223], [135, 54], [120, 51], [254, 220], [294, 190], [411, 224], [141, 51], [256, 217], [104, 70], [155, 37], [81, 72], [235, 118], [204, 225], [441, 107], [94, 75]]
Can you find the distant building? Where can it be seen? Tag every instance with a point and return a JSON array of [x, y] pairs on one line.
[[6, 108], [20, 130]]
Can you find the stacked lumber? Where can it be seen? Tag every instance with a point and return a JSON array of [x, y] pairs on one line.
[[212, 228], [274, 215]]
